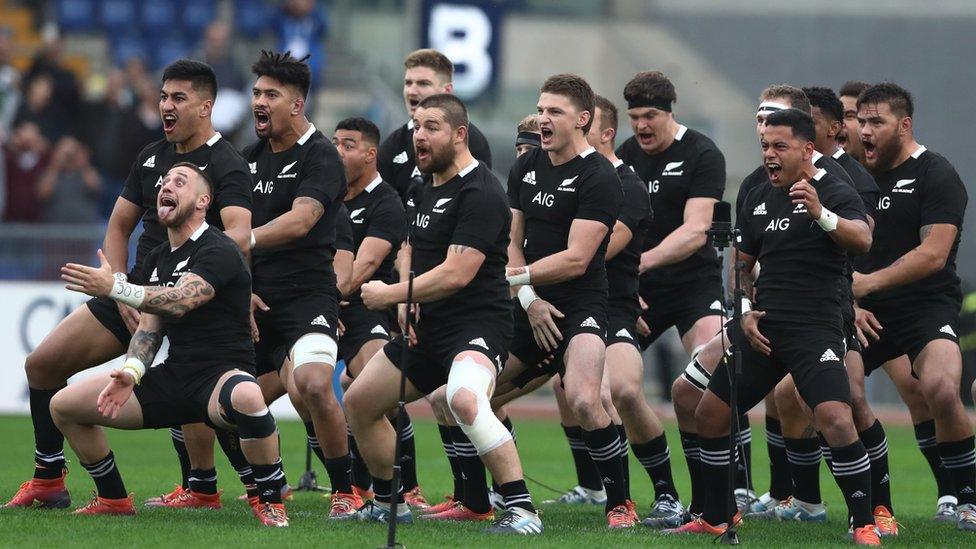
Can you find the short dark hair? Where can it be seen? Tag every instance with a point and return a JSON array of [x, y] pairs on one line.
[[608, 112], [798, 99], [853, 88], [826, 100], [650, 87], [431, 59], [799, 122], [359, 124], [455, 113], [203, 175], [897, 98], [576, 89], [199, 74], [285, 69]]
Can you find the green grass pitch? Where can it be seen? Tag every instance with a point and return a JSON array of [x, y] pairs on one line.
[[149, 466]]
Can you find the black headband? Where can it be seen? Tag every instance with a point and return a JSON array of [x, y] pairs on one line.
[[656, 102], [528, 138]]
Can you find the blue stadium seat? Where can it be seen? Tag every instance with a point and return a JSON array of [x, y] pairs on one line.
[[76, 15], [252, 17], [168, 48], [197, 14], [127, 45], [160, 16], [118, 16]]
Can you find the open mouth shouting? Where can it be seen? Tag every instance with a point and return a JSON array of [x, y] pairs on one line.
[[546, 132], [870, 149], [169, 122], [262, 121], [166, 206], [774, 170]]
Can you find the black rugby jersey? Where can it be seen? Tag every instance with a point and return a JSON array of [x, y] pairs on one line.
[[378, 212], [219, 331], [217, 158], [396, 158], [820, 161], [636, 214], [552, 197], [802, 267], [923, 190], [310, 168], [691, 167], [344, 239], [468, 210]]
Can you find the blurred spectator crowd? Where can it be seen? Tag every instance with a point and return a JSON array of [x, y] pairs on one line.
[[68, 145]]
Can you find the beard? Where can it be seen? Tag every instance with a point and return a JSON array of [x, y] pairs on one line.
[[885, 156], [440, 160]]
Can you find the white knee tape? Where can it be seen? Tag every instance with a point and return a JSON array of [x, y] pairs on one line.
[[314, 348], [486, 432]]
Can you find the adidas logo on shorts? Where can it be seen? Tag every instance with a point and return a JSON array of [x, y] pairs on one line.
[[400, 158], [624, 333], [480, 342], [320, 321], [589, 323], [529, 178], [829, 355], [379, 330], [948, 330], [760, 209]]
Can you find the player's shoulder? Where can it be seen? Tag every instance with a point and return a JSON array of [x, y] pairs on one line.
[[395, 137], [628, 150], [935, 166], [827, 183], [224, 156], [147, 156], [756, 177], [254, 150], [697, 142], [318, 147], [628, 177], [755, 195], [481, 184], [834, 168]]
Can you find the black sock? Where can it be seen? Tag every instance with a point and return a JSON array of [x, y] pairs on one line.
[[360, 473], [340, 473], [852, 471], [825, 451], [516, 494], [268, 480], [107, 479], [715, 457], [804, 457], [624, 454], [203, 481], [925, 436], [176, 434], [507, 422], [408, 446], [448, 444], [655, 456], [473, 472], [692, 450], [604, 448], [959, 458], [48, 440], [313, 441], [230, 443], [587, 475], [383, 489], [743, 471], [780, 482], [876, 444]]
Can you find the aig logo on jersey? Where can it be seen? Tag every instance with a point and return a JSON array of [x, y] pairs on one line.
[[544, 199], [653, 186], [264, 187], [778, 225], [422, 221], [884, 203]]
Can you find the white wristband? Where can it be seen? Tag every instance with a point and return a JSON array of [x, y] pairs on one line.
[[134, 367], [253, 240], [526, 295], [828, 220], [746, 305], [130, 294], [520, 279], [121, 277]]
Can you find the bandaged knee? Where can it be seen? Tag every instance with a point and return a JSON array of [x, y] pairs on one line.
[[485, 432], [314, 348], [250, 425]]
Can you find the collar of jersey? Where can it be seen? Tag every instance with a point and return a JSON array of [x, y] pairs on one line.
[[838, 153], [587, 152], [196, 234], [304, 138], [817, 156], [618, 163], [469, 168], [374, 183], [820, 173], [213, 140], [410, 124], [682, 129], [918, 152]]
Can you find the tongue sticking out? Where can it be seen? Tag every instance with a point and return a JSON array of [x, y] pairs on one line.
[[163, 211]]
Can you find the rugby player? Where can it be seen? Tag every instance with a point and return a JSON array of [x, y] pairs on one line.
[[100, 331], [298, 188], [795, 326], [198, 294], [457, 246], [527, 136], [908, 283]]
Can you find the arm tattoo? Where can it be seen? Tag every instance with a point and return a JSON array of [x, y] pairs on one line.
[[145, 344], [317, 208], [923, 233], [190, 292]]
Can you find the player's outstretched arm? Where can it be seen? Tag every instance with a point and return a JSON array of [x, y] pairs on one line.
[[685, 240], [305, 212], [925, 259], [457, 270], [125, 216], [585, 236]]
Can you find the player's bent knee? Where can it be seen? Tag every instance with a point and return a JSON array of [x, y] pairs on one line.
[[242, 404], [314, 348], [467, 396], [247, 397]]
